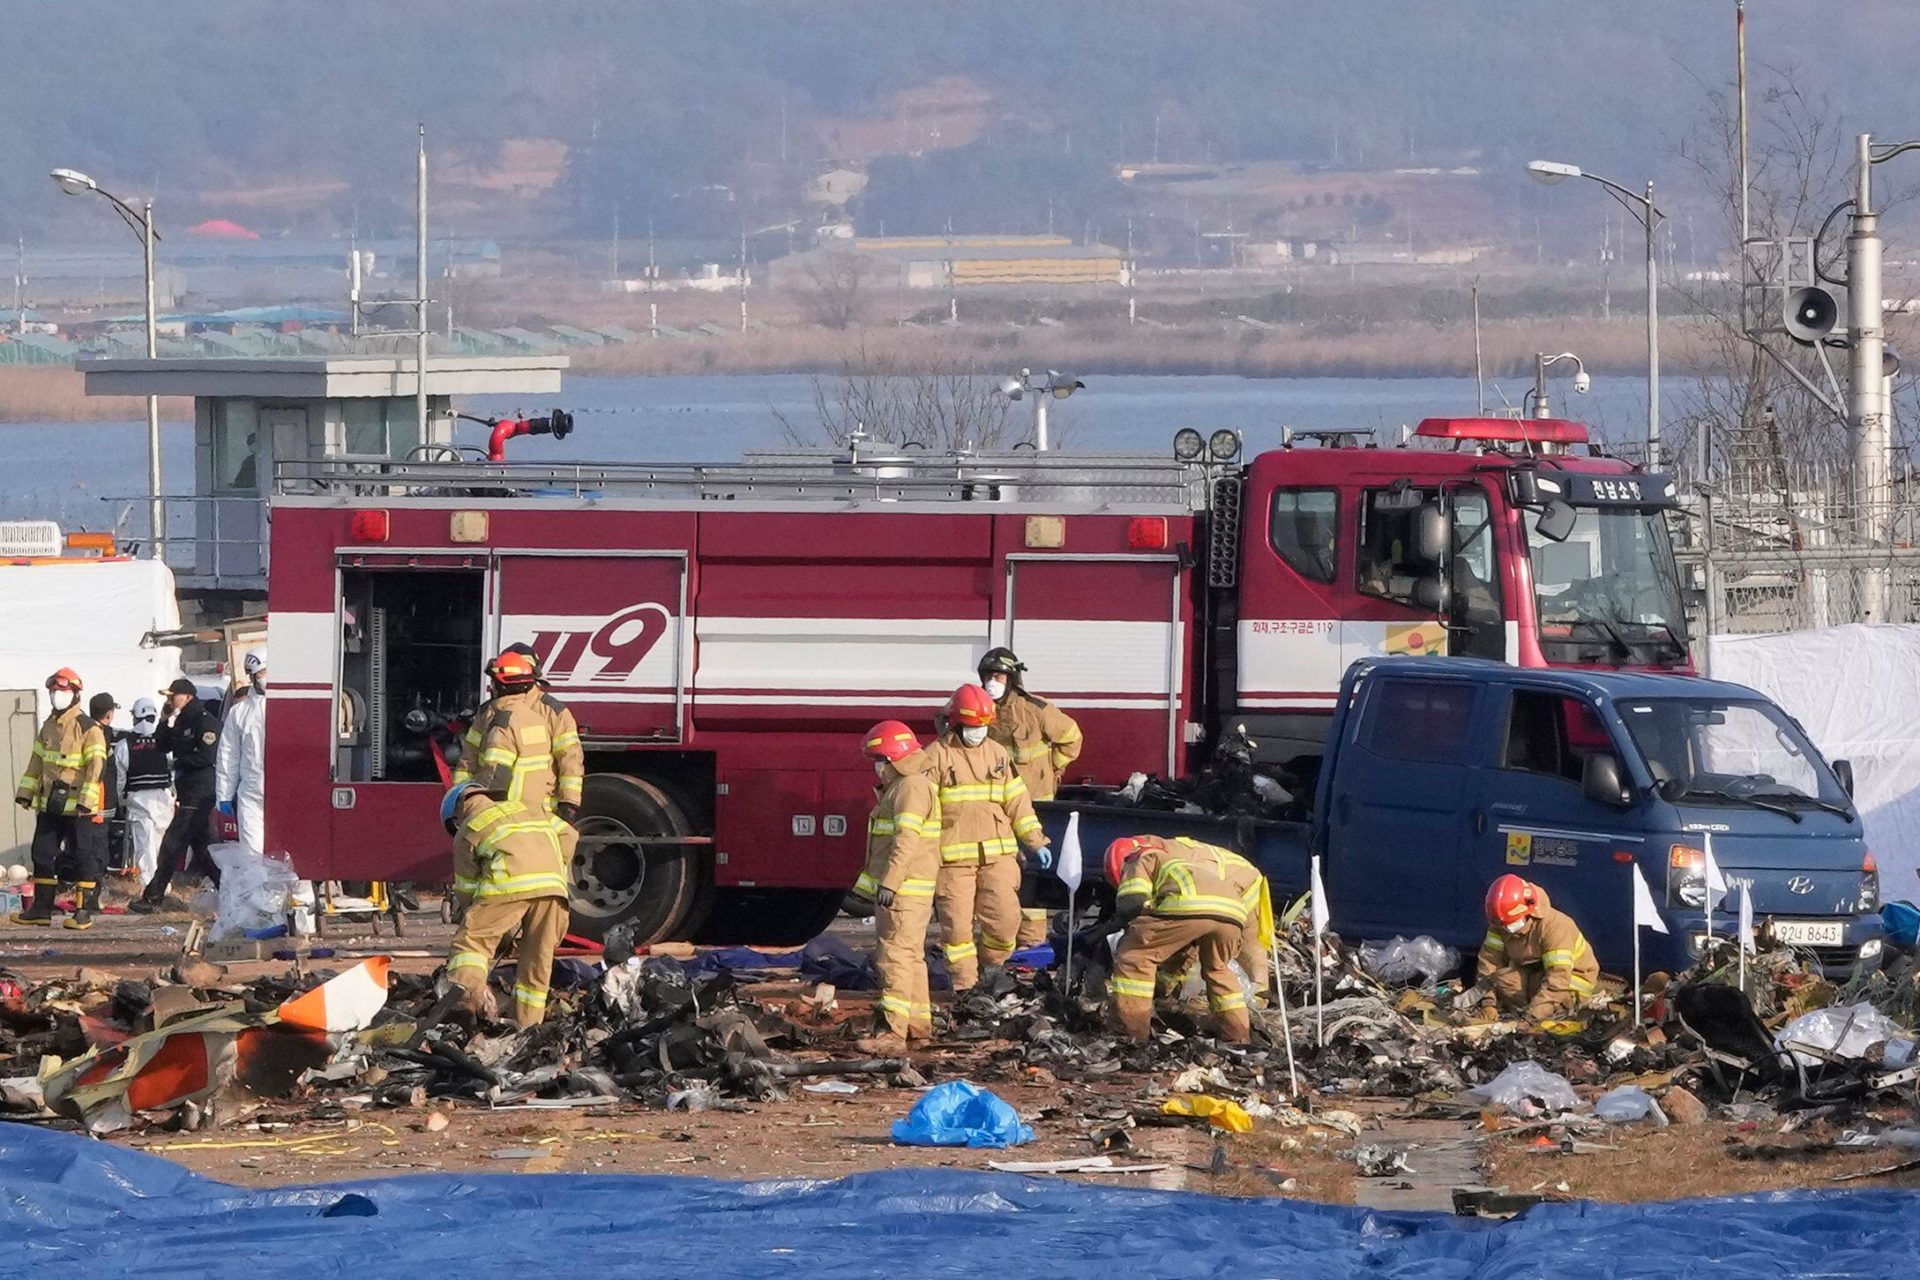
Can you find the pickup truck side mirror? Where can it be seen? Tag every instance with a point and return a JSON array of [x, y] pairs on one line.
[[1556, 522], [1429, 534], [1600, 781], [1843, 773]]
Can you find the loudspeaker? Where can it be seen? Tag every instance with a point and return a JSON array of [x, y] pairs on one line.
[[1810, 314]]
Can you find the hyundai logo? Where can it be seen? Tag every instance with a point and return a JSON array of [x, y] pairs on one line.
[[1800, 884]]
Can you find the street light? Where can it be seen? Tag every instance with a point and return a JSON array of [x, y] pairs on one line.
[[1541, 362], [1550, 173], [74, 183], [1051, 385]]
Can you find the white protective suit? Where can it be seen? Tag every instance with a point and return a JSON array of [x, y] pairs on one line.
[[150, 809], [239, 768]]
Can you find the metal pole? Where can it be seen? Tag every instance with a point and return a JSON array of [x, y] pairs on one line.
[[1866, 411], [420, 284], [1479, 366], [1540, 407], [156, 514], [1653, 332], [1040, 420]]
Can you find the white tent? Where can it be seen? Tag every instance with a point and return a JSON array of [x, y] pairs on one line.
[[88, 615], [1856, 690]]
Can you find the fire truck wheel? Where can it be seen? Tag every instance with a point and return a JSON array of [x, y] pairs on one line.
[[769, 917], [650, 887]]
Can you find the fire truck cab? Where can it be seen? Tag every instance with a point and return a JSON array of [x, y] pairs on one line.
[[725, 634]]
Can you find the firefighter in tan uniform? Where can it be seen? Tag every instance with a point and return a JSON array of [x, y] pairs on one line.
[[510, 872], [62, 787], [985, 819], [548, 767], [1534, 958], [903, 867], [1043, 740], [1178, 895]]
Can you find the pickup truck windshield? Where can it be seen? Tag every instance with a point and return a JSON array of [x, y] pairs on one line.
[[1610, 586], [1738, 752]]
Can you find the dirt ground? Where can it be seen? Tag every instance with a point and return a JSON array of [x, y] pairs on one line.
[[826, 1135]]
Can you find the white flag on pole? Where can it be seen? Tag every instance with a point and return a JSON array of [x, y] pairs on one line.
[[1645, 914], [1747, 946], [1068, 867], [1716, 883], [1321, 914]]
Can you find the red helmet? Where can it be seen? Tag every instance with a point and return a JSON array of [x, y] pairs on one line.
[[512, 668], [970, 707], [1511, 900], [891, 740], [64, 678], [1117, 854]]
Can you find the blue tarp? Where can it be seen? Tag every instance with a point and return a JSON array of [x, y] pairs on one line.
[[74, 1207]]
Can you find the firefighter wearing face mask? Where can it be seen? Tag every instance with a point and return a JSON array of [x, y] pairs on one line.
[[985, 819], [62, 786], [1534, 959], [903, 867], [1043, 740], [239, 768], [149, 790]]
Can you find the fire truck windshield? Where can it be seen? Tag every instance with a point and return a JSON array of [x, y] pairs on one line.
[[1610, 586]]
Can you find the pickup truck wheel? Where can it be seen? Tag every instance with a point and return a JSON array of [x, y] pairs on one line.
[[769, 917], [615, 880]]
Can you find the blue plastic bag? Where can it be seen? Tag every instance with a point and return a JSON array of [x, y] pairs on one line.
[[958, 1114]]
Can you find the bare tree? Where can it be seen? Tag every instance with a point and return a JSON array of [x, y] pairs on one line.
[[947, 405], [834, 294]]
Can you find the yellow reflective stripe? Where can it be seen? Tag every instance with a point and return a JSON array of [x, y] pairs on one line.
[[1493, 942], [999, 847], [499, 755], [896, 1004], [1027, 825], [916, 825], [91, 796], [1135, 886], [1579, 985], [93, 753], [917, 888], [1026, 755], [966, 793], [569, 788], [29, 783], [1230, 909], [959, 950], [866, 884], [468, 960], [529, 997], [461, 774], [566, 741], [991, 943], [552, 882], [1227, 1003], [1133, 988], [1012, 787], [880, 826], [1557, 959]]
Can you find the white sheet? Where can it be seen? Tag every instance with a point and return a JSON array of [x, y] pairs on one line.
[[1856, 689], [88, 615]]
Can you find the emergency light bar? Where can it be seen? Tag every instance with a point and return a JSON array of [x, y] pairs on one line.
[[1504, 430]]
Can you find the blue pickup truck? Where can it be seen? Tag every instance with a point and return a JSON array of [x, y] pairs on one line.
[[1442, 773]]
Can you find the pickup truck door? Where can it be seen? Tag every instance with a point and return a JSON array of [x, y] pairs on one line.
[[1533, 820], [1397, 804]]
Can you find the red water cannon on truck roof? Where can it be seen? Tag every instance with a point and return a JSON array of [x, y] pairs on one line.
[[724, 632]]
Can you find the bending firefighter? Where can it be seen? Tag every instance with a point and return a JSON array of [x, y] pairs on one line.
[[1043, 740], [985, 819], [62, 786], [1177, 896], [903, 867], [1534, 959], [515, 794]]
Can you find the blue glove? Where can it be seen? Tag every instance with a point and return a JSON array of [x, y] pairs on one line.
[[225, 807], [1042, 857]]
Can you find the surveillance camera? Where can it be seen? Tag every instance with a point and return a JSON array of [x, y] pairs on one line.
[[1582, 383]]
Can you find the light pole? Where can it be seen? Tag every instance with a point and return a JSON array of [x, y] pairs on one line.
[[1642, 207], [1541, 362], [1052, 385], [74, 183]]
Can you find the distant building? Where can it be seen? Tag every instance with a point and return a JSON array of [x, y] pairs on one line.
[[954, 262], [836, 186]]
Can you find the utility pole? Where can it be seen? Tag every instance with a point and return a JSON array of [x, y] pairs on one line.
[[20, 292], [1652, 219], [1479, 366], [156, 516], [653, 272], [420, 286], [743, 281], [1866, 377], [1740, 59]]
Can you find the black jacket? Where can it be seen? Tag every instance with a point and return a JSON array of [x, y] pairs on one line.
[[193, 739], [148, 767]]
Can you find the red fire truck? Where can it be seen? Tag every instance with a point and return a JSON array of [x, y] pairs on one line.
[[725, 633]]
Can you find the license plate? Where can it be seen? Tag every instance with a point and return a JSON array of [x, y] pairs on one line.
[[1809, 933]]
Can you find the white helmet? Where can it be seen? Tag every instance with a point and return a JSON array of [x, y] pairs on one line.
[[256, 661], [145, 711]]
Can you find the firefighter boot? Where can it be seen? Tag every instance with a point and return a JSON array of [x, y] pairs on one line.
[[86, 905], [40, 910]]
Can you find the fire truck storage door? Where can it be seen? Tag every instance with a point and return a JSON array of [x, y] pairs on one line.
[[1100, 636], [797, 828], [608, 628]]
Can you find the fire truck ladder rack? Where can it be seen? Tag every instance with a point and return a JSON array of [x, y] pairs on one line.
[[1083, 479]]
